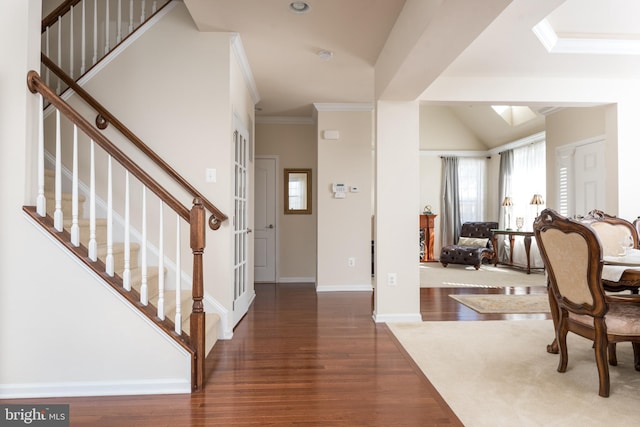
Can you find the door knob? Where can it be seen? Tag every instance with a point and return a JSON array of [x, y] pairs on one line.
[[270, 226], [249, 230]]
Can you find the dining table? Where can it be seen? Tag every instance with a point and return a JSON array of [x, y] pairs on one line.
[[619, 273]]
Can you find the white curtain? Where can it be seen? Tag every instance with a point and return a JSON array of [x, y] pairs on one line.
[[472, 188], [504, 190], [528, 178]]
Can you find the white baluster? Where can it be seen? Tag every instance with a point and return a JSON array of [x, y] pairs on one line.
[[178, 319], [71, 39], [106, 29], [161, 265], [144, 293], [59, 63], [109, 263], [41, 200], [143, 12], [119, 22], [83, 65], [95, 31], [75, 229], [130, 16], [57, 213], [154, 6], [46, 50], [126, 274], [93, 244]]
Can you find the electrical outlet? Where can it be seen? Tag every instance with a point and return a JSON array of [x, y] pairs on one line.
[[392, 279], [351, 262]]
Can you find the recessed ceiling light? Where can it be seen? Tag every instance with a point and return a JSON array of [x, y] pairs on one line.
[[299, 7], [325, 55]]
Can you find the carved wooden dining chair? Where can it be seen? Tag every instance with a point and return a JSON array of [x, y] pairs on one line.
[[614, 233], [572, 255]]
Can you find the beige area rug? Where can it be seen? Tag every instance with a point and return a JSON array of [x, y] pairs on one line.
[[434, 275], [498, 373], [506, 304]]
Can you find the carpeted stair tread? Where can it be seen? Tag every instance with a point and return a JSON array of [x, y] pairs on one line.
[[66, 202], [152, 281], [211, 319], [118, 254], [83, 224]]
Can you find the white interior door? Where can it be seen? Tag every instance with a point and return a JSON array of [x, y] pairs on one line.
[[581, 176], [590, 174], [241, 295], [265, 220]]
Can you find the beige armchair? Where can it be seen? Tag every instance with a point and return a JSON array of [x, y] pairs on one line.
[[614, 233], [572, 255]]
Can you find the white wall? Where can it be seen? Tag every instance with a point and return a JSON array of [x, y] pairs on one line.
[[295, 146], [440, 129], [60, 328], [344, 225], [397, 209]]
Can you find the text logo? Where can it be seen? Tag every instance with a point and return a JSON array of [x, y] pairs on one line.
[[34, 415]]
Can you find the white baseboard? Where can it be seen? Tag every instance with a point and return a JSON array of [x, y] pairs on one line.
[[296, 280], [99, 388], [394, 318], [345, 288]]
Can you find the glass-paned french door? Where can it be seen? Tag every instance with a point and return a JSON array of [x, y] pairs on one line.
[[240, 228]]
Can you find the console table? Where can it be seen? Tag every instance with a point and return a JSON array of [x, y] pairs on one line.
[[512, 237], [427, 227]]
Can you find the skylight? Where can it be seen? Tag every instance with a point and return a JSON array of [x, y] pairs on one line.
[[514, 115]]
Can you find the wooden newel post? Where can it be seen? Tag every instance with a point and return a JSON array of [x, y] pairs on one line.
[[197, 223]]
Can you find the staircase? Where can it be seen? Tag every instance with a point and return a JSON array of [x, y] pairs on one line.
[[168, 295], [135, 271]]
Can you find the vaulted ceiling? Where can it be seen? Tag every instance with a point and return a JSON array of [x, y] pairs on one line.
[[396, 49]]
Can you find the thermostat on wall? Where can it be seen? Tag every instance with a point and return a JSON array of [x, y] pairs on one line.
[[339, 188]]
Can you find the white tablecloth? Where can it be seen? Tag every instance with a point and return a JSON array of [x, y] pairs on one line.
[[620, 264]]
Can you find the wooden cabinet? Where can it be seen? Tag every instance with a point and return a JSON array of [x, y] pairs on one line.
[[427, 227]]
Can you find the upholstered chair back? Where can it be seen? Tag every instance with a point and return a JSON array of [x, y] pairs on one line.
[[614, 234], [572, 256], [479, 230]]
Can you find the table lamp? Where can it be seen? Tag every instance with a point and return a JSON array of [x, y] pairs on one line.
[[537, 200], [507, 203]]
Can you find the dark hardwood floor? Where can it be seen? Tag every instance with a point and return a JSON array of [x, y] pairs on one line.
[[300, 358]]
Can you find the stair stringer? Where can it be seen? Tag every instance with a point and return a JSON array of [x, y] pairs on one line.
[[120, 351]]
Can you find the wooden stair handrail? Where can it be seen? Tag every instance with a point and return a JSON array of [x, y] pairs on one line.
[[104, 117], [63, 8], [36, 85]]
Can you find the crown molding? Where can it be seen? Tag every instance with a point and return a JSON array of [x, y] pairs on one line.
[[241, 56], [531, 139], [285, 120], [536, 137], [556, 43], [455, 153]]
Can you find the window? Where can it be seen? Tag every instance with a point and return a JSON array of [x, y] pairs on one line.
[[471, 189], [528, 178]]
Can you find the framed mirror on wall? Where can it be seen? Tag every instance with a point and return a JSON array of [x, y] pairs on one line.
[[297, 191]]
